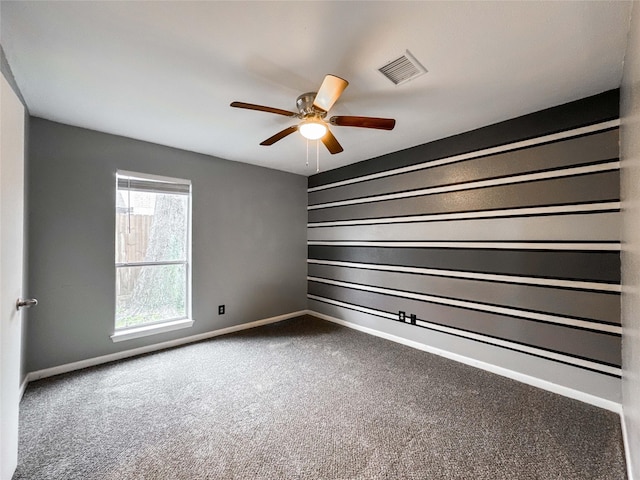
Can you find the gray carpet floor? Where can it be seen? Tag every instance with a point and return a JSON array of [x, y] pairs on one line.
[[307, 399]]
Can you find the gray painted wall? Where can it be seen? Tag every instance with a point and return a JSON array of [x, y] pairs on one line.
[[249, 240], [630, 194], [503, 241]]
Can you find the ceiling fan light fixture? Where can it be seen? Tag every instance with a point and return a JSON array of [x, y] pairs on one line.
[[313, 108], [313, 129]]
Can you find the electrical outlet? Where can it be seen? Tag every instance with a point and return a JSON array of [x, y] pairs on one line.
[[220, 309], [412, 317], [401, 316]]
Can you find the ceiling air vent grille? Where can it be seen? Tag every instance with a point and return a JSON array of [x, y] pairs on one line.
[[402, 69]]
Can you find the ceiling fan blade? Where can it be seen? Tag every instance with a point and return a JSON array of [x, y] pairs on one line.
[[331, 143], [330, 90], [364, 122], [262, 108], [280, 135]]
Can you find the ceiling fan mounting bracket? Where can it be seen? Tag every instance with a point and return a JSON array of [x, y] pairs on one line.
[[306, 107]]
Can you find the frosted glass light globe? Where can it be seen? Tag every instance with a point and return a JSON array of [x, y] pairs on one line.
[[313, 130]]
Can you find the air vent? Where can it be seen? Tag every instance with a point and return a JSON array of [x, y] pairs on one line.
[[403, 69]]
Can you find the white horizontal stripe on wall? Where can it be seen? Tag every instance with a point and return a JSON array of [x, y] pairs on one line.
[[512, 312], [350, 306], [474, 336], [544, 282], [527, 177], [479, 153], [591, 246], [512, 212], [595, 227]]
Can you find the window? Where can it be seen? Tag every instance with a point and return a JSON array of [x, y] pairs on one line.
[[152, 260]]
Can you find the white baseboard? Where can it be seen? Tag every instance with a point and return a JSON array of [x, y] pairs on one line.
[[90, 362], [23, 387], [627, 449], [528, 379], [536, 382]]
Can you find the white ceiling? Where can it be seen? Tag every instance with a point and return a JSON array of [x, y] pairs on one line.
[[166, 72]]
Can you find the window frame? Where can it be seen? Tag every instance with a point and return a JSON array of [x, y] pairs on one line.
[[165, 325]]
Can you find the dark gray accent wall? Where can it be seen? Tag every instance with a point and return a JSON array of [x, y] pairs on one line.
[[506, 236], [577, 304], [556, 119], [249, 240], [569, 265], [573, 152]]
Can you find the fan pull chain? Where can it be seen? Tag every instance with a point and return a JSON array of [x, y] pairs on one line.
[[307, 152], [129, 205], [317, 156]]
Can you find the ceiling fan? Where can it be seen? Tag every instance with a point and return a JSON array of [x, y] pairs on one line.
[[312, 110]]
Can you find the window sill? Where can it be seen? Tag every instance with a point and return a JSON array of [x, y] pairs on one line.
[[147, 330]]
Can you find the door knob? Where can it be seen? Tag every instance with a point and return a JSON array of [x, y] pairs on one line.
[[26, 303]]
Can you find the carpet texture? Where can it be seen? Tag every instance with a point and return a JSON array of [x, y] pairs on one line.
[[307, 399]]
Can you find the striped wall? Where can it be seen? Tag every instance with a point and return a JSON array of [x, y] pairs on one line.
[[505, 237]]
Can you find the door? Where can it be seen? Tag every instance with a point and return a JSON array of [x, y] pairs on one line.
[[11, 270]]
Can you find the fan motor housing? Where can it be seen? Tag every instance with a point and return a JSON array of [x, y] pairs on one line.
[[306, 108]]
